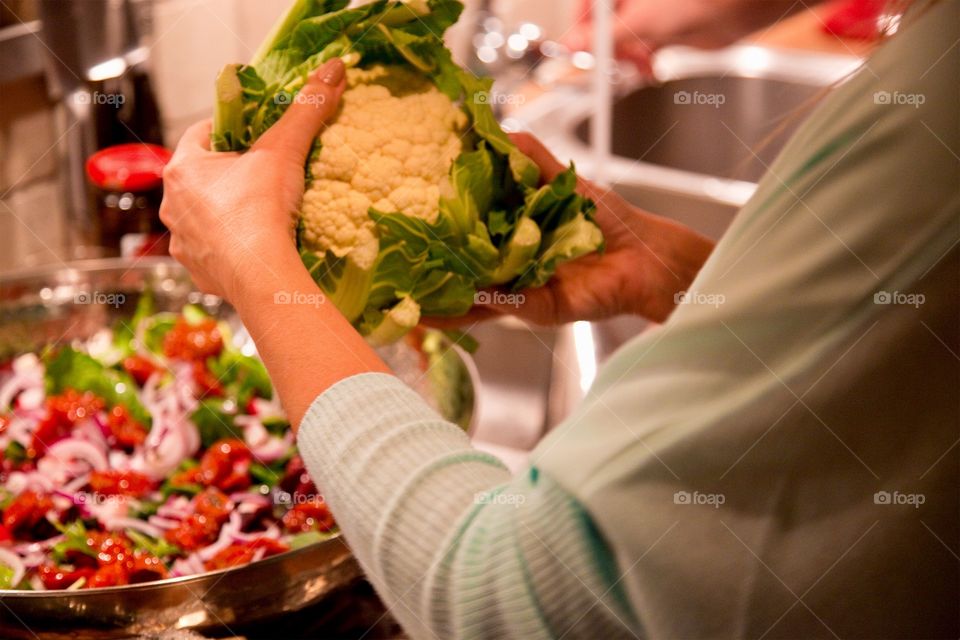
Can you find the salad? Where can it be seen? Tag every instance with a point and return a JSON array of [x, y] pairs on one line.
[[153, 449]]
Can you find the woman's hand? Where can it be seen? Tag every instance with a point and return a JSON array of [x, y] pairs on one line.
[[231, 216], [647, 261]]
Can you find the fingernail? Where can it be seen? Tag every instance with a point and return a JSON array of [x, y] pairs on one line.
[[332, 72]]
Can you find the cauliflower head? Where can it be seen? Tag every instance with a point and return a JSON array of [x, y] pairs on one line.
[[415, 197], [390, 148]]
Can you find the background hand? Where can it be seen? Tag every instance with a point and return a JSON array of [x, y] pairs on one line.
[[231, 215], [640, 27]]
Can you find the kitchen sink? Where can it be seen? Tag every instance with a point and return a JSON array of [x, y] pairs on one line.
[[725, 126], [693, 145], [690, 147]]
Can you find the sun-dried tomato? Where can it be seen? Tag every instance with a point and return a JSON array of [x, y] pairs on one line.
[[214, 503], [296, 481], [194, 532], [208, 384], [62, 413], [115, 482], [54, 577], [226, 465], [186, 477], [140, 368], [109, 575], [186, 341], [27, 510], [241, 553], [127, 433], [311, 515], [211, 509], [145, 567]]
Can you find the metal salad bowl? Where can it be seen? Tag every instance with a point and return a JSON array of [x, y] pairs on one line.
[[61, 304]]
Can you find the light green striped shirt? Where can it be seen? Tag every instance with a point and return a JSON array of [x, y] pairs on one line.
[[780, 464]]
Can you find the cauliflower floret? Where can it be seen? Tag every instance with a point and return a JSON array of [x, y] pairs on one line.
[[391, 148]]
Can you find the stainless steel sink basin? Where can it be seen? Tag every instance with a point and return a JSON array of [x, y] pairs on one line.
[[711, 125], [691, 148]]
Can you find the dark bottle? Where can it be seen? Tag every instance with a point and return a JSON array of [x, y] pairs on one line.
[[128, 178]]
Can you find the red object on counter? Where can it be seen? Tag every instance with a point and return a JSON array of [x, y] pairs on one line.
[[129, 180], [128, 167], [855, 19]]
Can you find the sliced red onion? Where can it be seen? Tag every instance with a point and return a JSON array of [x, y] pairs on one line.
[[27, 375], [102, 424], [90, 431], [272, 532], [246, 497], [15, 562], [180, 567], [77, 484], [258, 554], [110, 509], [163, 523], [34, 560], [21, 429], [195, 563], [36, 583], [118, 524], [268, 409], [230, 528], [20, 481], [31, 399], [40, 545], [75, 448], [175, 507], [273, 449], [118, 460]]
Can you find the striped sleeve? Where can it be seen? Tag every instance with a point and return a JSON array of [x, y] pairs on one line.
[[455, 546]]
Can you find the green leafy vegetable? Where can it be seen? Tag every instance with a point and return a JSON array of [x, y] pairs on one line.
[[15, 452], [74, 539], [308, 538], [214, 422], [69, 368], [6, 577], [157, 546], [243, 377]]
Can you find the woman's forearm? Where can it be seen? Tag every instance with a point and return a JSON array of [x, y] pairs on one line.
[[304, 340]]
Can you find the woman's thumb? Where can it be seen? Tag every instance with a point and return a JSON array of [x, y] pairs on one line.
[[313, 105]]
